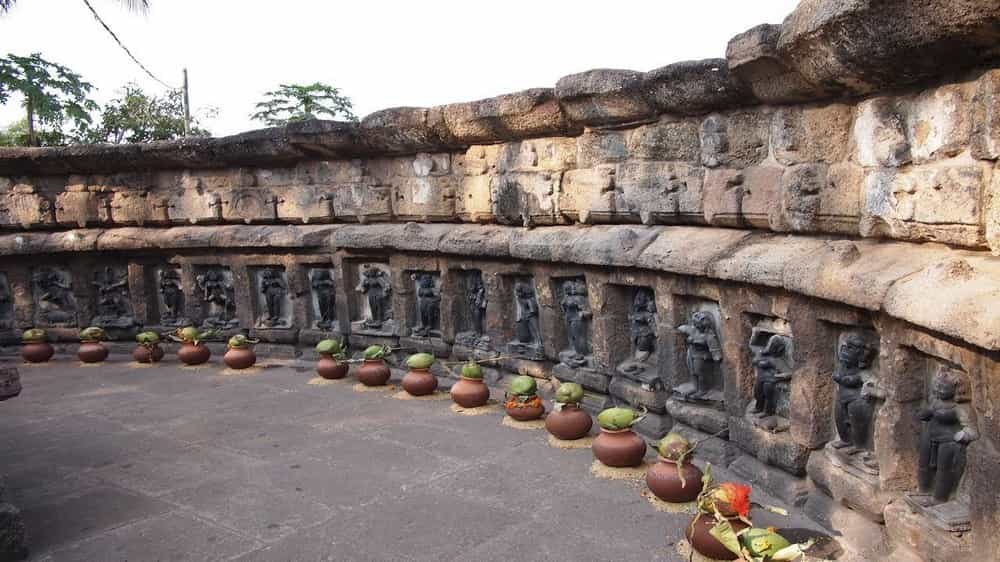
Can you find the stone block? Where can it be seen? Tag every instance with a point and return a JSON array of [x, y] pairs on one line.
[[667, 139], [736, 139], [653, 427], [426, 197], [587, 378], [28, 209], [362, 201], [916, 534], [812, 134], [595, 402], [661, 192], [761, 188], [880, 133], [529, 113], [937, 123], [554, 154], [405, 129], [473, 201], [596, 147], [13, 539], [753, 57], [695, 86], [985, 117], [801, 186], [723, 197], [130, 207], [526, 198], [689, 250], [306, 203], [10, 383], [639, 395], [703, 418], [860, 536], [77, 208], [588, 195], [786, 487], [776, 449], [847, 485], [609, 245], [716, 450], [603, 97]]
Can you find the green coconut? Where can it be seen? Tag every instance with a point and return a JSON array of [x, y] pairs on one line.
[[34, 335], [189, 333], [376, 352], [92, 333], [330, 347], [674, 446], [240, 341], [523, 385], [569, 393], [420, 361], [762, 542], [147, 338], [472, 370], [615, 419]]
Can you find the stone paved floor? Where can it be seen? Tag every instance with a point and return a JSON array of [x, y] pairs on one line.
[[117, 463]]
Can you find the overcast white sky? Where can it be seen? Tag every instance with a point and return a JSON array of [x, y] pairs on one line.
[[380, 53]]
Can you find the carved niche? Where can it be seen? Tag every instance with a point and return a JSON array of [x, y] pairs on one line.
[[641, 323], [171, 299], [374, 313], [527, 342], [859, 395], [702, 355], [274, 305], [111, 298], [218, 297], [427, 321], [324, 298], [52, 292], [574, 303], [771, 357], [471, 313], [6, 303]]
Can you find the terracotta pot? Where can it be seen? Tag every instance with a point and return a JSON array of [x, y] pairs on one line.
[[329, 368], [664, 481], [470, 393], [520, 411], [373, 372], [92, 352], [704, 543], [569, 423], [143, 354], [239, 357], [420, 382], [622, 448], [37, 352], [191, 354]]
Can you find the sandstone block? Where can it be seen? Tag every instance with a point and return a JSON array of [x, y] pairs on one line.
[[661, 192], [405, 129], [588, 195], [776, 449], [985, 117], [525, 114], [913, 532], [696, 86], [880, 134], [812, 134], [857, 491], [689, 250], [778, 483], [603, 97], [709, 420], [596, 147], [736, 140], [554, 154], [526, 198], [937, 123], [77, 208], [667, 139], [753, 57]]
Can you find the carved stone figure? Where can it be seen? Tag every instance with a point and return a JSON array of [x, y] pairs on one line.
[[857, 396], [55, 302], [113, 308], [703, 353], [527, 337], [274, 289], [642, 332], [576, 311], [324, 289], [770, 368], [218, 294], [477, 306], [172, 297], [375, 286], [428, 305], [947, 430], [6, 302]]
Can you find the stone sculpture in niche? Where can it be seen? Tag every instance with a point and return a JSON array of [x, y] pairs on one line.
[[55, 303], [947, 429], [857, 398], [324, 290], [642, 333], [428, 306], [475, 294], [527, 337], [378, 291], [274, 291], [772, 370], [113, 307], [218, 294], [171, 298], [6, 303], [704, 353], [576, 310]]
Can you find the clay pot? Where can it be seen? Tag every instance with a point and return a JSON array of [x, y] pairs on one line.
[[329, 368], [664, 481], [373, 372], [420, 382], [470, 393], [239, 357], [191, 354], [569, 423], [707, 545], [622, 448], [143, 354], [37, 352], [525, 412], [92, 352]]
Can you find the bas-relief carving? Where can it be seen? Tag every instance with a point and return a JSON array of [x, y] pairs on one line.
[[273, 300], [171, 292], [218, 297], [641, 364], [527, 341], [376, 307], [703, 357], [6, 303], [575, 306], [324, 298], [475, 300], [428, 318], [771, 348], [859, 395], [55, 304], [114, 310]]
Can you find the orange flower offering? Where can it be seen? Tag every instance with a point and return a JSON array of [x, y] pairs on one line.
[[520, 402], [730, 498]]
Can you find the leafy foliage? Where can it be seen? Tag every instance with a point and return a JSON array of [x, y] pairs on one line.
[[297, 102], [53, 95], [136, 116]]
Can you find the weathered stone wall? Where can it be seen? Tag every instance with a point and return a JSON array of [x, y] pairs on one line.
[[830, 183]]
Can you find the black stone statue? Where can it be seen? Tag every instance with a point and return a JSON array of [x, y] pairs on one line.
[[428, 305], [477, 306], [172, 296], [770, 369], [6, 301], [56, 304], [642, 325], [947, 430], [323, 287], [526, 330], [703, 352], [856, 395], [576, 310], [218, 294], [274, 289], [112, 299], [375, 286]]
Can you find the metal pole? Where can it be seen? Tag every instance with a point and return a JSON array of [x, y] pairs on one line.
[[187, 107]]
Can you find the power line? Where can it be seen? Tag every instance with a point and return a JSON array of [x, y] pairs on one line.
[[124, 48]]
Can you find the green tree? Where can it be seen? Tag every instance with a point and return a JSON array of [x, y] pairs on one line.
[[136, 116], [297, 102], [53, 94]]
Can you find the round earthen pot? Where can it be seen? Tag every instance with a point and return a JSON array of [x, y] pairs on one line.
[[470, 393], [239, 357], [191, 354], [622, 448], [420, 382], [664, 481], [37, 352], [524, 412], [373, 372], [707, 545], [569, 423], [92, 352], [143, 354], [329, 368]]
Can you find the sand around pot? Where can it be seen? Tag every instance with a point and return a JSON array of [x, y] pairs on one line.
[[362, 388], [531, 424], [240, 372], [201, 367], [601, 470], [91, 365], [320, 381], [436, 395], [667, 507], [138, 365], [491, 407], [582, 443]]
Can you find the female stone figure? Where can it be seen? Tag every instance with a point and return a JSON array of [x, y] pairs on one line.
[[477, 306], [274, 289], [527, 315], [769, 365], [173, 296], [323, 287], [855, 404], [55, 300], [375, 286], [217, 293], [642, 325], [947, 430], [576, 310], [703, 352], [428, 305]]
